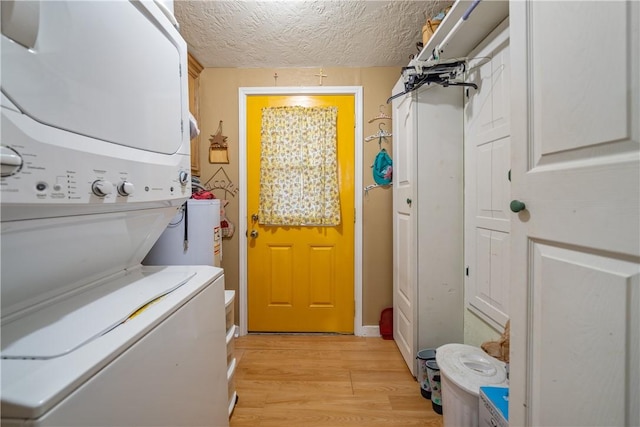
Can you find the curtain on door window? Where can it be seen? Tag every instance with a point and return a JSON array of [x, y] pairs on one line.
[[299, 167]]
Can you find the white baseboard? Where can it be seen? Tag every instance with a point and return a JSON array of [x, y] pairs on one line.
[[370, 331], [365, 331]]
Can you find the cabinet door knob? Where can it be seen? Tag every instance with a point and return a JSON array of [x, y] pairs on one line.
[[517, 206], [409, 201]]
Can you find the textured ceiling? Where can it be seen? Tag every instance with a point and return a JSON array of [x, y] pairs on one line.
[[303, 33]]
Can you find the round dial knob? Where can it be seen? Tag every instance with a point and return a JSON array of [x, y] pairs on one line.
[[125, 188], [183, 178], [102, 188], [10, 160]]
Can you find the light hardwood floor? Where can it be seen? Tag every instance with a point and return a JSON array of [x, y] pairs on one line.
[[326, 380]]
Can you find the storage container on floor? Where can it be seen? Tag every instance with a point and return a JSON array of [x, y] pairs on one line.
[[435, 381], [464, 369], [423, 376]]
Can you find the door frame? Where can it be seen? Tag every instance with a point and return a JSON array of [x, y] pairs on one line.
[[243, 93]]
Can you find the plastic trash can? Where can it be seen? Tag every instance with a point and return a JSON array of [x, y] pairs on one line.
[[434, 380], [423, 375]]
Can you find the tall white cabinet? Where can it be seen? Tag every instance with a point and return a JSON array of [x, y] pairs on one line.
[[428, 219], [428, 154]]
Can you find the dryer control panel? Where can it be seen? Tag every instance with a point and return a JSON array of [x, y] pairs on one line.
[[68, 174]]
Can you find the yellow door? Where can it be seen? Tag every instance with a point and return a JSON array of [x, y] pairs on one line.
[[301, 279]]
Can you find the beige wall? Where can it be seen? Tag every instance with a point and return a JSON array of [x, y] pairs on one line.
[[477, 331], [219, 101]]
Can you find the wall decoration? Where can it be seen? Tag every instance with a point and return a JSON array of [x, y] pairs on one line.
[[221, 181], [218, 149], [320, 76]]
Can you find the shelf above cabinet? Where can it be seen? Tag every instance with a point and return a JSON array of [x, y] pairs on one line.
[[484, 18]]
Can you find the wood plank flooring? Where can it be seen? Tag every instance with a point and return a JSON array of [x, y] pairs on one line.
[[326, 380]]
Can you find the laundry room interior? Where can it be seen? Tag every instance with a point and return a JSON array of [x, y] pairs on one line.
[[320, 213]]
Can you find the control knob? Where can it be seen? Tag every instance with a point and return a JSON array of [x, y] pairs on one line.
[[183, 178], [125, 188], [101, 188], [10, 160]]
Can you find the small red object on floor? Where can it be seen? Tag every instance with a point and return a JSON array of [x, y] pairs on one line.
[[386, 323]]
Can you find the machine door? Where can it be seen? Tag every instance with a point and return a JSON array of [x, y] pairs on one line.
[[107, 70]]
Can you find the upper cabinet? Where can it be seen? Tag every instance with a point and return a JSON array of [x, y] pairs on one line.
[[194, 106]]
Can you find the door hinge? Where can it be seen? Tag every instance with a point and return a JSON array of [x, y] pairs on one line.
[[354, 215]]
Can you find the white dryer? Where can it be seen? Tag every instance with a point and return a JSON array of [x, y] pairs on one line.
[[95, 162]]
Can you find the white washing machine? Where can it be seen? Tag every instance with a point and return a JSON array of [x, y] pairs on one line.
[[94, 164], [143, 348]]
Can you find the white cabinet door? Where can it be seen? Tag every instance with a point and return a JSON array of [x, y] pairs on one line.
[[487, 186], [404, 227], [576, 247]]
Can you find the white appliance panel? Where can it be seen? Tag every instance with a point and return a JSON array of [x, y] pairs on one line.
[[87, 315], [122, 95], [114, 379], [58, 171], [203, 217], [71, 252]]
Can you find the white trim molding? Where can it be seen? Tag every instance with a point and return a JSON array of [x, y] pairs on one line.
[[243, 93], [372, 331]]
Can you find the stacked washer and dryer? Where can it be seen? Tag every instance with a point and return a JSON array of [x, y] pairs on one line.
[[95, 164]]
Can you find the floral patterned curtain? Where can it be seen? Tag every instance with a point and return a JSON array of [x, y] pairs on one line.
[[299, 167]]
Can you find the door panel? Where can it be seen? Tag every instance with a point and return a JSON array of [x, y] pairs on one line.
[[576, 247], [280, 267], [404, 228], [301, 279], [322, 276], [404, 294], [500, 266], [491, 277], [500, 184], [483, 180], [570, 344]]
